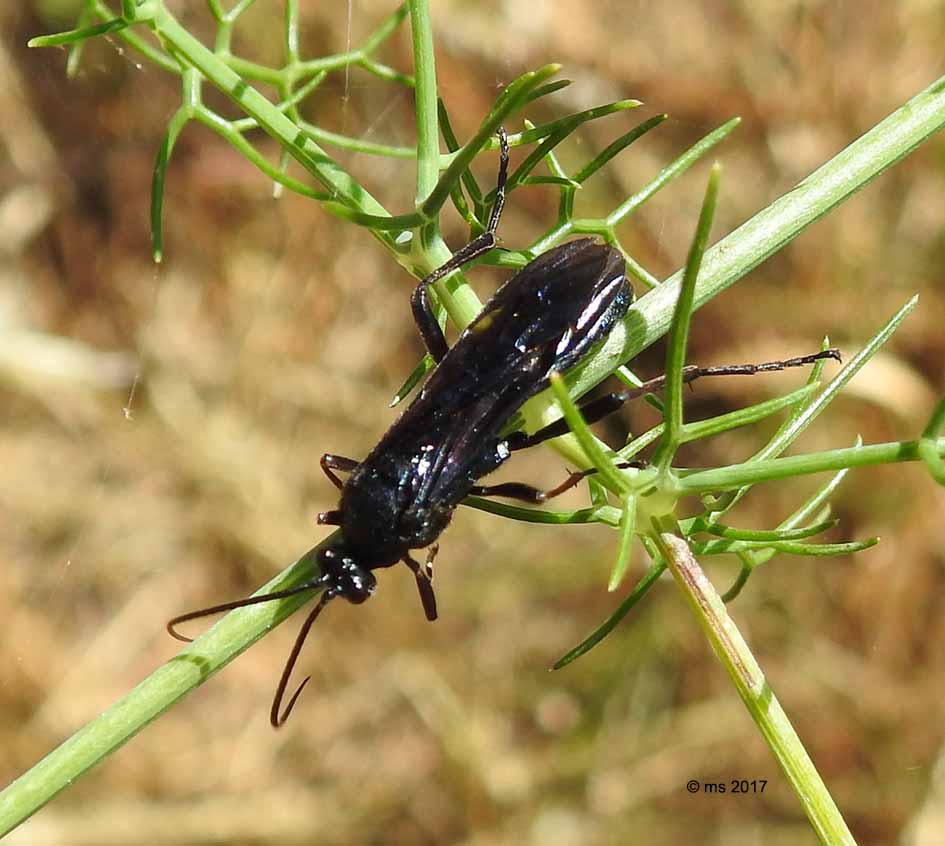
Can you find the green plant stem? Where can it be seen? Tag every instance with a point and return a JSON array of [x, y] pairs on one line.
[[160, 59], [268, 116], [455, 293], [763, 706], [210, 652], [751, 472], [428, 143]]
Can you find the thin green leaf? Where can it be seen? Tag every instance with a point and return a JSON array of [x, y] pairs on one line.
[[73, 36], [732, 533], [76, 50], [563, 181], [424, 366], [654, 571], [743, 416], [679, 330], [288, 105], [607, 514], [386, 28], [787, 547], [597, 493], [236, 139], [385, 72], [616, 147], [815, 504], [566, 194], [832, 389], [508, 101], [734, 476], [158, 178], [555, 132], [373, 221], [641, 442], [446, 129], [673, 170], [356, 145], [549, 88], [569, 123], [639, 272], [627, 522], [467, 179]]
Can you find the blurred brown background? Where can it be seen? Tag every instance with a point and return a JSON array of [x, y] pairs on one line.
[[160, 430]]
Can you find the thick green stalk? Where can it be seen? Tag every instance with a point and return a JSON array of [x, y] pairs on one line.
[[428, 138], [456, 295], [763, 706]]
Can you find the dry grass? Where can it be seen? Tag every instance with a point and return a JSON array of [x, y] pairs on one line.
[[160, 430]]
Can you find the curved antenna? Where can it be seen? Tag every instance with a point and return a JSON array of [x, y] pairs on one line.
[[275, 718], [172, 625]]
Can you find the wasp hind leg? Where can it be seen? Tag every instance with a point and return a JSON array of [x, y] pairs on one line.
[[597, 409], [512, 490], [536, 496]]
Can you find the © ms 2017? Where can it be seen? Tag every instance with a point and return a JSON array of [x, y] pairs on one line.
[[735, 786]]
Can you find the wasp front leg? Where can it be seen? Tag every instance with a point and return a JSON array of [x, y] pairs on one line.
[[424, 577], [331, 462], [420, 301]]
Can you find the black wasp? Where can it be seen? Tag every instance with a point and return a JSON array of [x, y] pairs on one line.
[[545, 319]]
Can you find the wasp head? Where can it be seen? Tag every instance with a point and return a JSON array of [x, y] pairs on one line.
[[344, 576]]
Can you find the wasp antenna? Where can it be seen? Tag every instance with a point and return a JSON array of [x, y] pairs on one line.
[[172, 625], [278, 720], [275, 718]]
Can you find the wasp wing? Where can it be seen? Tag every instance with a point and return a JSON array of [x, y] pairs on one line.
[[544, 319]]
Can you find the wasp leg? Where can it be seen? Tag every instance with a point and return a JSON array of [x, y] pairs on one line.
[[420, 303], [424, 585], [528, 493], [511, 490], [592, 411], [329, 518], [579, 475], [428, 564], [331, 462], [599, 408]]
